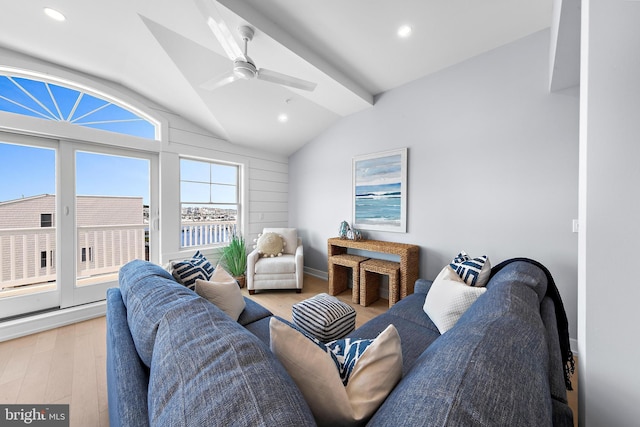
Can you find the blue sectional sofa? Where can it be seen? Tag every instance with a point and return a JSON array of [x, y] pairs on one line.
[[174, 359]]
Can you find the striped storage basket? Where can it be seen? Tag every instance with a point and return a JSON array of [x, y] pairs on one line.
[[325, 317]]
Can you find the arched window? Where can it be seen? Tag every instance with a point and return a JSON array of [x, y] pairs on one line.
[[44, 99]]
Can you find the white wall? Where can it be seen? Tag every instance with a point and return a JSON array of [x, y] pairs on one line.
[[493, 166], [609, 211]]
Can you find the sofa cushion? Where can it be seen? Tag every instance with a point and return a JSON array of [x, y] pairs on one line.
[[188, 270], [490, 369], [223, 291], [372, 375], [415, 328], [207, 370], [448, 299], [252, 312], [474, 271], [148, 291]]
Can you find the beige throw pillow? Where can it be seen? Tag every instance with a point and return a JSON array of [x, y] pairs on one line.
[[223, 291], [270, 244], [448, 298], [374, 375]]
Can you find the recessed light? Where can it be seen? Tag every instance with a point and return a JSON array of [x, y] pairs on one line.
[[283, 118], [54, 14], [404, 31]]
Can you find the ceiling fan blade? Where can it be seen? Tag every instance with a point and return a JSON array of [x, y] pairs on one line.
[[216, 82], [220, 29], [285, 80]]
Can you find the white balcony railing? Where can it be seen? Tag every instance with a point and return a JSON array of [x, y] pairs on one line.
[[28, 255], [104, 249], [21, 252], [202, 233]]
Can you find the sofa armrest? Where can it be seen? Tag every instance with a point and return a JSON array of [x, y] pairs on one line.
[[127, 376], [422, 286]]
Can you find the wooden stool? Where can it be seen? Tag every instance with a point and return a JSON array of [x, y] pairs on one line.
[[338, 274], [370, 272]]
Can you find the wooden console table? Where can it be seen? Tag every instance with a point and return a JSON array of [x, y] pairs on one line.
[[409, 257]]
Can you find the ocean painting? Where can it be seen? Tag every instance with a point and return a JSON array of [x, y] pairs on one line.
[[380, 191]]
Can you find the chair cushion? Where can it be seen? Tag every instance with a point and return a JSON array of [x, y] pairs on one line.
[[285, 264]]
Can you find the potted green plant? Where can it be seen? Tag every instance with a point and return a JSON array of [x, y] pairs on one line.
[[234, 258]]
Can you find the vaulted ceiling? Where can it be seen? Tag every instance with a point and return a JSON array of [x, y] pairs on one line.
[[164, 50]]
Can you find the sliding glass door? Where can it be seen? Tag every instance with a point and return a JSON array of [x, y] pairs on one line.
[[112, 218], [71, 215], [28, 225]]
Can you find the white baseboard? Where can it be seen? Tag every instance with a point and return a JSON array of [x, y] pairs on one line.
[[574, 346], [28, 325], [316, 273]]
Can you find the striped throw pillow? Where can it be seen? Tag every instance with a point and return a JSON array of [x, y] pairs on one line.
[[474, 271], [187, 271]]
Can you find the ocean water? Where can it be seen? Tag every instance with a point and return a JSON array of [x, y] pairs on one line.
[[378, 204]]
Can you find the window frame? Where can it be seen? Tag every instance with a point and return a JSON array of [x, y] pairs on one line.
[[239, 201], [43, 222], [83, 90]]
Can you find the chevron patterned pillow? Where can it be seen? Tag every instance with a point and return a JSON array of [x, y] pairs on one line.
[[186, 272], [474, 271]]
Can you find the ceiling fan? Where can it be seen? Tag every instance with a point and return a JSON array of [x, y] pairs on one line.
[[243, 65]]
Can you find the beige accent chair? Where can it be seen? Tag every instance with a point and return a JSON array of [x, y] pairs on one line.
[[281, 272]]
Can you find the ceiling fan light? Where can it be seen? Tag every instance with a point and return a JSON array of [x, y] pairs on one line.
[[244, 70]]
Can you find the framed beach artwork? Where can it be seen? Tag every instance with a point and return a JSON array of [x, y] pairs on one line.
[[380, 191]]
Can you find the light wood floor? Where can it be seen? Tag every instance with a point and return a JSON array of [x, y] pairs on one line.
[[68, 364]]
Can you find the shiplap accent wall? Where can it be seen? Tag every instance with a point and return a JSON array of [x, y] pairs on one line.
[[264, 180]]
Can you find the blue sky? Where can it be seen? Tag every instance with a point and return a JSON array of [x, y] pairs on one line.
[[30, 171]]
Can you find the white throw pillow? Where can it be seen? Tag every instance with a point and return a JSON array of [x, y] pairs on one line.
[[314, 370], [223, 291], [448, 298]]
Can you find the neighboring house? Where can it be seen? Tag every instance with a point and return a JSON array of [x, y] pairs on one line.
[[110, 231]]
